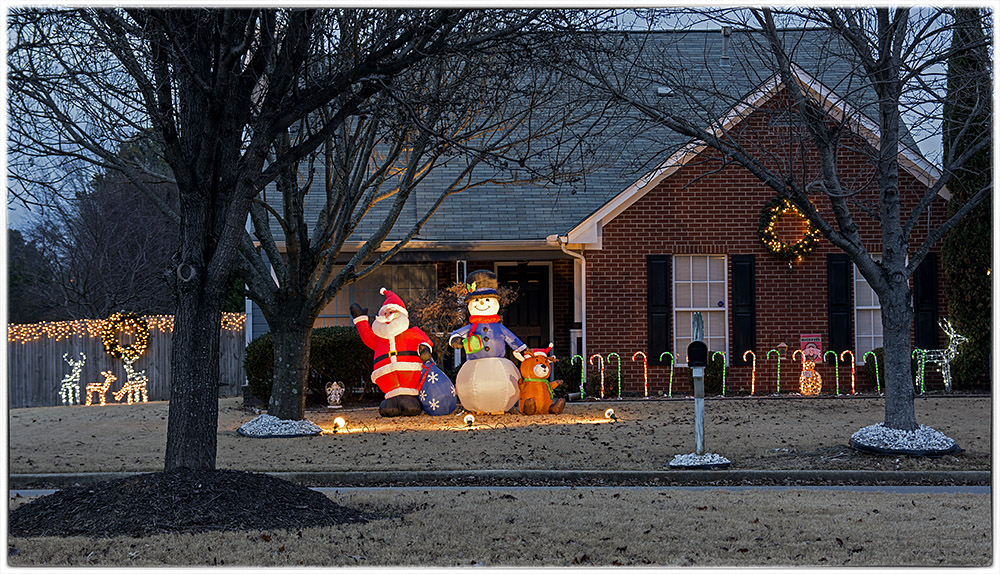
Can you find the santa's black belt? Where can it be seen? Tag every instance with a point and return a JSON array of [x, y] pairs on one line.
[[397, 353]]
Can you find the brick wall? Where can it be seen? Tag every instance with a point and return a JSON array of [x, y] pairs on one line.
[[702, 209]]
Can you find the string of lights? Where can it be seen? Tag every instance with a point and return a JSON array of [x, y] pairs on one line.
[[93, 328]]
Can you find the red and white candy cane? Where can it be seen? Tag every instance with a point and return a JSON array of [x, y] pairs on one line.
[[645, 372], [753, 370]]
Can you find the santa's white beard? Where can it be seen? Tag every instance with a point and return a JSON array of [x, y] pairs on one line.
[[392, 328]]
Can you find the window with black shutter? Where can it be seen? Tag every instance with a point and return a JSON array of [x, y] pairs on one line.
[[839, 277], [925, 312], [744, 307], [658, 307]]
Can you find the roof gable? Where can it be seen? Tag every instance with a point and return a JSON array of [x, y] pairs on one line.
[[589, 231]]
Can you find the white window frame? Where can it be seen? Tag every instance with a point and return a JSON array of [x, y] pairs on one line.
[[875, 309], [345, 318], [680, 355]]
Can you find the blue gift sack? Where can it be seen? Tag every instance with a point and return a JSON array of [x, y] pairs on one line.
[[437, 393]]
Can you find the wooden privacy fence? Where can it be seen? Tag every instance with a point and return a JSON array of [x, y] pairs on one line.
[[36, 367]]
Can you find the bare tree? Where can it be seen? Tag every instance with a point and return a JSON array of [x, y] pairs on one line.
[[31, 281], [107, 255], [850, 89], [481, 116], [220, 90]]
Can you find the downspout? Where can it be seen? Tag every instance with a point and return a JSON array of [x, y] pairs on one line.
[[563, 240]]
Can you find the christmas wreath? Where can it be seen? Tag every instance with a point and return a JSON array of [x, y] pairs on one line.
[[773, 211], [129, 321]]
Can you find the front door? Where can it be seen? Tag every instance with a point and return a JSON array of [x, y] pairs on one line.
[[528, 316]]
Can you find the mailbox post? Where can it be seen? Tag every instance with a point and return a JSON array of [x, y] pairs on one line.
[[697, 359]]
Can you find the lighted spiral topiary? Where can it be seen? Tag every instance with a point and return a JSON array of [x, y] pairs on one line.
[[129, 321], [773, 211]]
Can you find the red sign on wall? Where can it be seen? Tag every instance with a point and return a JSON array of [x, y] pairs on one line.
[[812, 346]]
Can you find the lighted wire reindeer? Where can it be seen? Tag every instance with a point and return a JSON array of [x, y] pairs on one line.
[[943, 357], [134, 386], [69, 392], [100, 388]]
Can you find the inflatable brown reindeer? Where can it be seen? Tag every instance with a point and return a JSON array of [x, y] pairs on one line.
[[536, 391]]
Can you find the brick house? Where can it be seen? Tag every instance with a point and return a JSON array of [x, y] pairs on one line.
[[619, 265]]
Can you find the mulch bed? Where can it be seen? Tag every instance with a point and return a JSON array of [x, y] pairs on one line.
[[179, 501]]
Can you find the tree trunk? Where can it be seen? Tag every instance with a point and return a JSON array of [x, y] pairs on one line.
[[193, 412], [291, 368], [897, 317]]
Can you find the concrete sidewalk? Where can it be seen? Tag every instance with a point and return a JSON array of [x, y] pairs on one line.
[[508, 477]]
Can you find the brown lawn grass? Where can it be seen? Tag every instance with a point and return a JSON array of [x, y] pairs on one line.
[[580, 527], [752, 433], [546, 527]]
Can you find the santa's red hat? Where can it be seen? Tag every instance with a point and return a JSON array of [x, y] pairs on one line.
[[392, 302]]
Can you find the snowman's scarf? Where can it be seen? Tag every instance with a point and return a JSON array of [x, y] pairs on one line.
[[476, 319]]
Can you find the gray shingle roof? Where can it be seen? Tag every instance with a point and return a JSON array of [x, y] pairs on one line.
[[692, 58]]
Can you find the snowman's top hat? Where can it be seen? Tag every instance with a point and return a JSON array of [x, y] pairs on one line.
[[481, 283]]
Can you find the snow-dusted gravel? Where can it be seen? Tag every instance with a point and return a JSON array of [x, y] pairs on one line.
[[268, 426], [693, 459], [922, 439]]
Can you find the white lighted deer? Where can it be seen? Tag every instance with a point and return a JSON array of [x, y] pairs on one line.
[[943, 357], [69, 392]]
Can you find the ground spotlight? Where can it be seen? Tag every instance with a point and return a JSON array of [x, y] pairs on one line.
[[339, 424], [610, 414], [469, 419]]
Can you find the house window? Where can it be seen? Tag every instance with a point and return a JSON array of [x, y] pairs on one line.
[[700, 285], [867, 317], [407, 281]]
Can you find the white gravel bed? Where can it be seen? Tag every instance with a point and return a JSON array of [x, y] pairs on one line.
[[268, 426], [693, 459], [923, 438]]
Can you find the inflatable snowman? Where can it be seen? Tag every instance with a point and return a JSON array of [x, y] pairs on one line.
[[487, 381]]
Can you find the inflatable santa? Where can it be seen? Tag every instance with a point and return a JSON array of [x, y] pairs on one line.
[[487, 381], [400, 352]]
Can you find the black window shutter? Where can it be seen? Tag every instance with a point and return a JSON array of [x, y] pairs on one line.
[[658, 307], [838, 301], [925, 294], [744, 308]]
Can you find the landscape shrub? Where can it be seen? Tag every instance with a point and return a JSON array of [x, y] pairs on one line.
[[569, 372], [335, 354], [713, 376]]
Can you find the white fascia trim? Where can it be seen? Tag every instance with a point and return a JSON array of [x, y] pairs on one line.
[[589, 231], [524, 245], [913, 162]]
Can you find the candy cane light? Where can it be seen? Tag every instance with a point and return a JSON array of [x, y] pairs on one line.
[[574, 357], [617, 356], [836, 370], [767, 357], [920, 373], [723, 369], [753, 369], [670, 387], [852, 367], [600, 360], [645, 372], [878, 387]]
